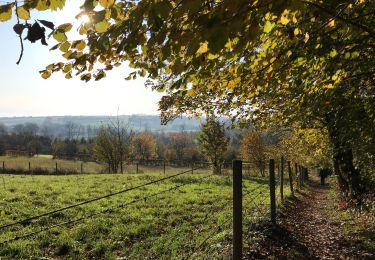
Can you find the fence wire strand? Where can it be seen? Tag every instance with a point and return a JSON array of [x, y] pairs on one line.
[[108, 210], [29, 219]]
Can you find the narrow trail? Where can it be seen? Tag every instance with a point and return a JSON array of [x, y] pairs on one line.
[[305, 231]]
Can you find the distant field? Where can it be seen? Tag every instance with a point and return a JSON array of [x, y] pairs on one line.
[[190, 221], [45, 164], [47, 156]]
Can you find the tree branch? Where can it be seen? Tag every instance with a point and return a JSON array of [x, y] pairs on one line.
[[19, 35], [343, 19]]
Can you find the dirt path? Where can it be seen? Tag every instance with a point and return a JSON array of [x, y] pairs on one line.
[[306, 232]]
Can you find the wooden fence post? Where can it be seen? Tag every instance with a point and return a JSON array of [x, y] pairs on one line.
[[136, 167], [81, 168], [282, 179], [29, 167], [3, 166], [237, 209], [56, 168], [164, 167], [192, 168], [272, 191], [296, 173], [290, 178]]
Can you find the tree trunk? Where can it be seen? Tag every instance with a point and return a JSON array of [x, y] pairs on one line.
[[216, 168], [348, 176]]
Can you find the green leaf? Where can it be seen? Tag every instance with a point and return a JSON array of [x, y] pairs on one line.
[[64, 47], [59, 36], [101, 74], [355, 54], [67, 68], [177, 67], [163, 8], [268, 27], [68, 75], [5, 12], [102, 26], [333, 53], [66, 27]]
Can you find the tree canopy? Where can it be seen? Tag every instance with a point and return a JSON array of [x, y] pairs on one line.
[[297, 62]]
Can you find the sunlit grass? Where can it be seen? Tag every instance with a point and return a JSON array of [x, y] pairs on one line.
[[170, 225]]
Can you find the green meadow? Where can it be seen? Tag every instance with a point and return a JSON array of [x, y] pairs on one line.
[[186, 216]]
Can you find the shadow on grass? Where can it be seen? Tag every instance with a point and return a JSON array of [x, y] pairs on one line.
[[277, 241]]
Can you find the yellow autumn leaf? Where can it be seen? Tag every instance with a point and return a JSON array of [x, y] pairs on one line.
[[190, 92], [237, 80], [45, 74], [23, 13], [203, 48], [106, 3], [5, 12], [81, 45], [231, 85], [297, 31], [41, 6], [332, 23], [82, 30], [284, 20], [294, 19], [64, 47], [307, 37]]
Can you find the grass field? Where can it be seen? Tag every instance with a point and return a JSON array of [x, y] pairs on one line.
[[193, 220]]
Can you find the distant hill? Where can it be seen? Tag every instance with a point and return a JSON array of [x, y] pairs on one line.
[[56, 124]]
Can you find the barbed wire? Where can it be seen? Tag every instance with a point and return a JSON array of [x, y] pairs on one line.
[[217, 228], [108, 210], [29, 219]]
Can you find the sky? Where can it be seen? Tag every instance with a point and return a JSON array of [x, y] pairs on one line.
[[24, 93]]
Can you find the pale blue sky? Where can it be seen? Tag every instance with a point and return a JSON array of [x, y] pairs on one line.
[[24, 93]]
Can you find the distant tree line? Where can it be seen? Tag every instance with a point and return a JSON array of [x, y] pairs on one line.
[[116, 143]]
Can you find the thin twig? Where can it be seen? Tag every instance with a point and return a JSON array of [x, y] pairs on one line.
[[19, 35]]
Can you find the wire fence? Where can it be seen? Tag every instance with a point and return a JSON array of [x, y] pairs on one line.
[[219, 223]]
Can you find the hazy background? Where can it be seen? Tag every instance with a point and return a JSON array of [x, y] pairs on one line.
[[24, 93]]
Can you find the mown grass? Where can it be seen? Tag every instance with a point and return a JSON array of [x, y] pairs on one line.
[[191, 221]]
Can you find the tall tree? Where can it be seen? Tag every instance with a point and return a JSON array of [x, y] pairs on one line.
[[213, 143], [144, 146], [255, 149], [303, 63], [112, 145]]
